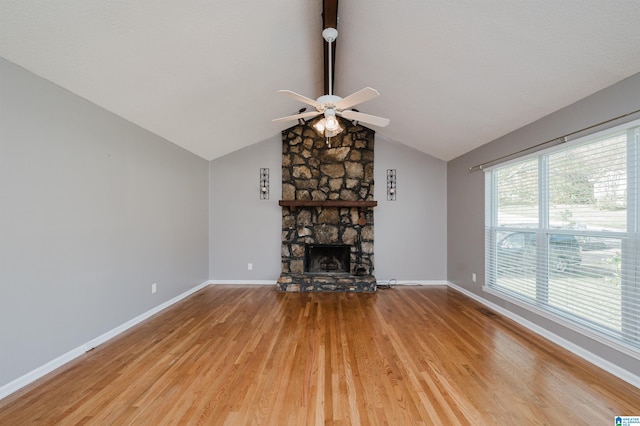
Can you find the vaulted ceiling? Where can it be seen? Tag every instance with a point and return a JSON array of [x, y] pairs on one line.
[[453, 75]]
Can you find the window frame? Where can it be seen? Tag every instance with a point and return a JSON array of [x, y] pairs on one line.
[[630, 244]]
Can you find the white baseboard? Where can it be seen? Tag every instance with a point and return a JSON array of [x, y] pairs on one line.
[[242, 282], [393, 282], [379, 282], [571, 347], [41, 371]]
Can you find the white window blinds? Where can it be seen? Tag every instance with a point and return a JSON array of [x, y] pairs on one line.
[[562, 232]]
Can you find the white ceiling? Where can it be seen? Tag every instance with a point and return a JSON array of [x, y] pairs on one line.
[[453, 75]]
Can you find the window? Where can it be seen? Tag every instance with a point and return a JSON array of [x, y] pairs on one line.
[[563, 237]]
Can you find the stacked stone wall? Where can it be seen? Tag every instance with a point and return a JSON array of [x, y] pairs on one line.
[[314, 169]]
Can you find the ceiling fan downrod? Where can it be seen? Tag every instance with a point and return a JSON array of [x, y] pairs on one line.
[[329, 35]]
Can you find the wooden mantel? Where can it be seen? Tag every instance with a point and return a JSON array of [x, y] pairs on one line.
[[293, 204]]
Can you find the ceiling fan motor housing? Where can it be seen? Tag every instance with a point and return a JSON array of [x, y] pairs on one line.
[[328, 101]]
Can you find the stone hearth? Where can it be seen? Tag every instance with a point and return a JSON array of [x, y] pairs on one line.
[[327, 199]]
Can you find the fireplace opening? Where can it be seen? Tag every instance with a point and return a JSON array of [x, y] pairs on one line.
[[327, 258]]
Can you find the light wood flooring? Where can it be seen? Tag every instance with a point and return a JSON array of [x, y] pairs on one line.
[[243, 355]]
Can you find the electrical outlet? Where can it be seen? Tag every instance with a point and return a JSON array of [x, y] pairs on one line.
[[154, 288], [250, 266], [473, 277]]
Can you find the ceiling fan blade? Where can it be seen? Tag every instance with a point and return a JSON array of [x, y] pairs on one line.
[[300, 98], [359, 97], [365, 118], [294, 117]]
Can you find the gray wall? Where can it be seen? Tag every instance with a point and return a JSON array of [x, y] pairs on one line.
[[243, 228], [93, 210], [410, 233], [466, 198]]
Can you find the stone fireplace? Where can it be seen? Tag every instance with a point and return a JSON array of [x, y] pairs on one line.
[[327, 210]]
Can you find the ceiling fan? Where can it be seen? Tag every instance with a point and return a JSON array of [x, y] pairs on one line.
[[331, 105]]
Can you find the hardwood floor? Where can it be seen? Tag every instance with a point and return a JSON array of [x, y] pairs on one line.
[[247, 355]]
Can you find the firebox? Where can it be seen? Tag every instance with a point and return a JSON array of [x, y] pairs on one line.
[[327, 258]]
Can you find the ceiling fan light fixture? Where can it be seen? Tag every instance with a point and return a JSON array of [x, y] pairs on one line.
[[331, 123], [328, 126], [332, 127], [320, 126], [331, 133]]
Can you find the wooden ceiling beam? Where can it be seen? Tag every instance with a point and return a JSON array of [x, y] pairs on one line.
[[329, 20]]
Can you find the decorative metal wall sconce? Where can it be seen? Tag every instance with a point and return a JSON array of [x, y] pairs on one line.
[[264, 184], [391, 184]]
